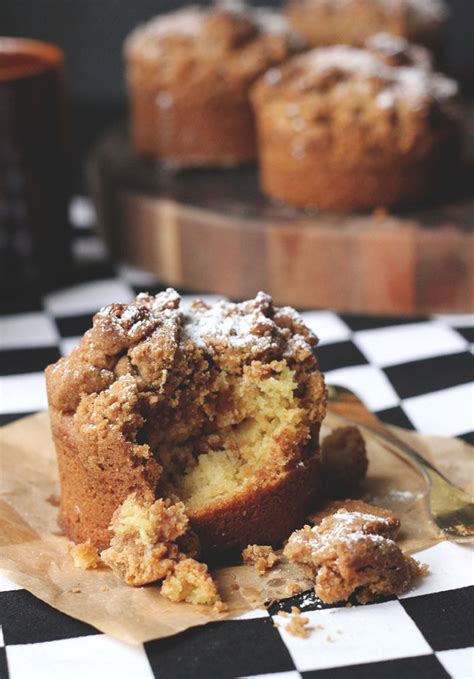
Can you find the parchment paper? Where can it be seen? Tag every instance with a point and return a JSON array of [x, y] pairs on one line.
[[34, 553]]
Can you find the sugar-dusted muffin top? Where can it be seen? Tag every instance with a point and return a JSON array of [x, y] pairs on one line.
[[394, 50], [412, 18], [349, 101], [158, 345], [231, 39]]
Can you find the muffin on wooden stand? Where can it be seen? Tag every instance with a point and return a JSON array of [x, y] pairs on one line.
[[189, 74], [342, 128], [351, 22]]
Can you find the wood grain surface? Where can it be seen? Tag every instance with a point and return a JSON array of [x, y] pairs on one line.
[[213, 231]]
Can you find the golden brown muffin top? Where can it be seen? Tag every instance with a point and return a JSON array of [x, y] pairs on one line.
[[155, 344], [427, 13], [352, 101], [237, 41]]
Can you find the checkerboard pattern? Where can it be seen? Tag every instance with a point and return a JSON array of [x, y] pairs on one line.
[[415, 373]]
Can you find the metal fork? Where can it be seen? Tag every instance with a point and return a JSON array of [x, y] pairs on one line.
[[452, 509]]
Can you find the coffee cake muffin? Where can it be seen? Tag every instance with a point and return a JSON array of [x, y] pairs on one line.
[[217, 407], [342, 128], [350, 22], [189, 74]]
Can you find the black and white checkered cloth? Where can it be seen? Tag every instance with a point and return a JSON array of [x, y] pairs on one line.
[[415, 373]]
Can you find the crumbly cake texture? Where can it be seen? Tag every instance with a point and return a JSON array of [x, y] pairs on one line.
[[261, 556], [191, 582], [350, 22], [352, 552], [84, 555], [144, 545], [344, 461], [344, 128], [217, 406], [188, 76], [152, 541]]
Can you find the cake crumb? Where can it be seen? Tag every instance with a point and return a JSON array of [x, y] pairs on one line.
[[220, 607], [104, 589], [293, 589], [190, 581], [84, 555], [262, 556], [298, 625], [329, 639], [76, 590]]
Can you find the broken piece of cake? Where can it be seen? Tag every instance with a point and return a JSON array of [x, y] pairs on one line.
[[262, 556], [144, 544], [353, 552], [344, 461], [151, 540]]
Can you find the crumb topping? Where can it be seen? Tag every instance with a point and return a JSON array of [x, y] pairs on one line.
[[357, 506], [251, 39], [352, 552], [342, 68], [262, 556]]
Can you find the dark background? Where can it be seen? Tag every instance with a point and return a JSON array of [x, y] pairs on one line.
[[92, 32]]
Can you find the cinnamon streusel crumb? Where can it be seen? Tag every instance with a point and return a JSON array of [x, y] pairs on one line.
[[353, 552], [262, 556], [298, 626]]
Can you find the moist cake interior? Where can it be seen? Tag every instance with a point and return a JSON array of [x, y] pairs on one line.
[[231, 437]]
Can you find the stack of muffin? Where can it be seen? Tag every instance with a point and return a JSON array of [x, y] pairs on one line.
[[338, 107]]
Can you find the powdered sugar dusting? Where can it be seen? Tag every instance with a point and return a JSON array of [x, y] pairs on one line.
[[255, 326], [412, 84], [344, 526]]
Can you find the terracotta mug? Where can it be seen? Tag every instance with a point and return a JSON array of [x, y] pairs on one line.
[[34, 168]]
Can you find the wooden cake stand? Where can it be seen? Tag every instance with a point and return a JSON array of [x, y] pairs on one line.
[[214, 231]]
